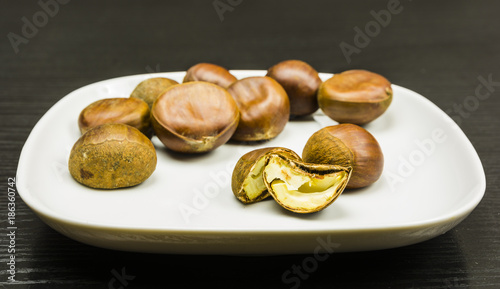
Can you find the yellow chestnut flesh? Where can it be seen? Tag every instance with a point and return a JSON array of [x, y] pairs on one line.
[[302, 187], [264, 108], [130, 111], [210, 73], [347, 145], [355, 96], [194, 117], [112, 156], [296, 186], [301, 82], [149, 89], [247, 182]]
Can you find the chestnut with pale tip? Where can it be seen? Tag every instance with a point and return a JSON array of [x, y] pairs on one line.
[[130, 111], [347, 145], [210, 73], [355, 96], [301, 82], [194, 117], [264, 108]]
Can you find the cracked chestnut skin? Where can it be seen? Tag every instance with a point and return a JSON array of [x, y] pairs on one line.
[[347, 145], [355, 96], [194, 117], [264, 108], [301, 82], [112, 156], [284, 170], [247, 164], [295, 185], [210, 73]]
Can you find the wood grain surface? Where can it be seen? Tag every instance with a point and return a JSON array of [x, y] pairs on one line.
[[440, 49]]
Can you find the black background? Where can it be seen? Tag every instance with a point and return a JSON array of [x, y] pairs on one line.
[[436, 48]]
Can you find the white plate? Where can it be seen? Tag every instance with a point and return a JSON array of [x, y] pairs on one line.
[[432, 180]]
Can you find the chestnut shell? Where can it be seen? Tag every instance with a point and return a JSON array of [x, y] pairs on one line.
[[112, 156], [347, 145], [194, 117], [264, 108], [210, 73], [246, 166], [130, 111], [149, 89], [355, 96], [301, 82]]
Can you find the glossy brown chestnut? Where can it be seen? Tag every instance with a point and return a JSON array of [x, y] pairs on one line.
[[149, 89], [301, 82], [347, 145], [210, 73], [194, 117], [355, 96], [130, 111], [264, 108]]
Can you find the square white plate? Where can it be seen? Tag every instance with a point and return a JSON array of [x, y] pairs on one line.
[[432, 180]]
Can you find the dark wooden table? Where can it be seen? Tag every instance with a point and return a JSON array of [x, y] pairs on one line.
[[437, 48]]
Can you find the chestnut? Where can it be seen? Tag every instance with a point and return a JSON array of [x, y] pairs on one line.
[[301, 82], [210, 73], [295, 185], [194, 117], [149, 89], [355, 96], [111, 156], [347, 145], [247, 183], [304, 187], [264, 108], [130, 111]]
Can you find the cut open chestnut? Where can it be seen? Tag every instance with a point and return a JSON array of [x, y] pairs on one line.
[[295, 185]]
